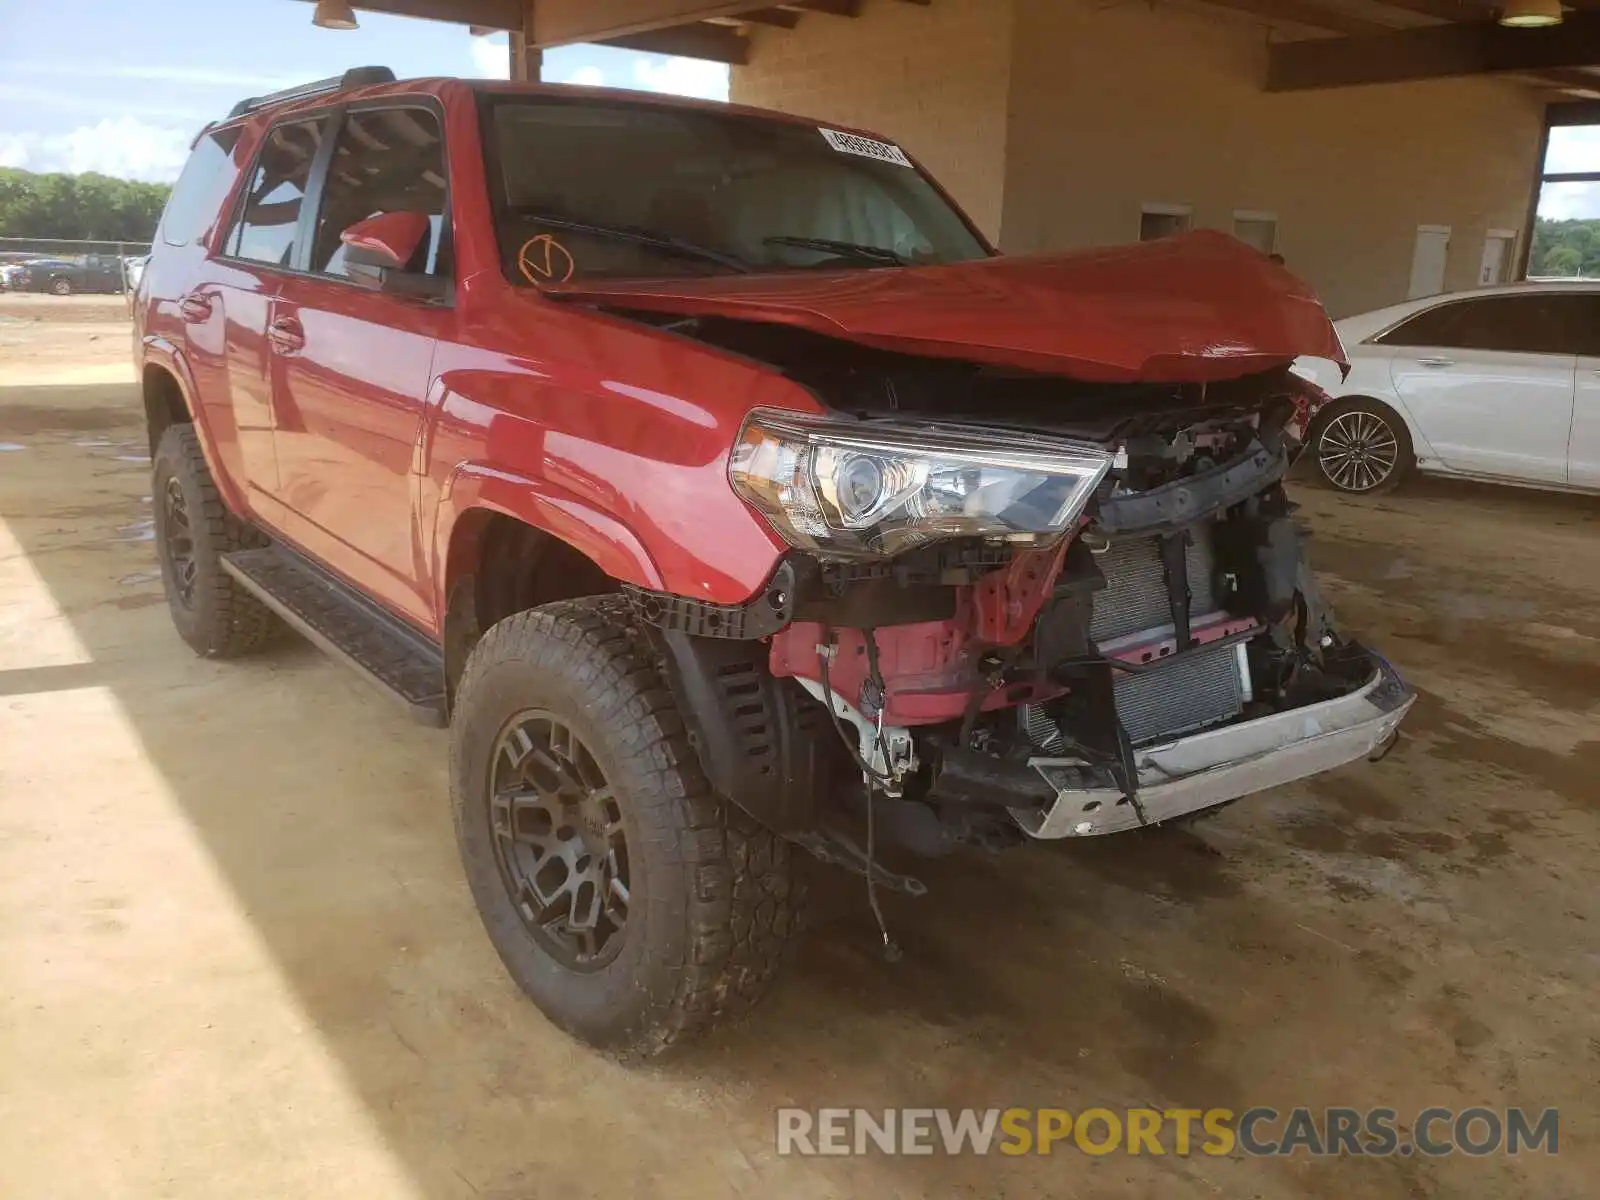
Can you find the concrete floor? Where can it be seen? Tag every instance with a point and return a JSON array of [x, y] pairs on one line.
[[237, 956]]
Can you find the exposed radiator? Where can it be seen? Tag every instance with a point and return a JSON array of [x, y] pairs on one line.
[[1135, 595], [1194, 690]]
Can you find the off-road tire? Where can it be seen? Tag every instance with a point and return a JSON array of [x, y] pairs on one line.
[[220, 619], [1359, 406], [716, 900]]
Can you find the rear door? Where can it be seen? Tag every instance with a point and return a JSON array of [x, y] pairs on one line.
[[230, 305], [1489, 382], [351, 366]]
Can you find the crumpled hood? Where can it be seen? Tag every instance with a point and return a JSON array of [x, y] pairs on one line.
[[1194, 308]]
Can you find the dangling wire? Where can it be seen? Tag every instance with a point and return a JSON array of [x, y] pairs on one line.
[[891, 952], [871, 778]]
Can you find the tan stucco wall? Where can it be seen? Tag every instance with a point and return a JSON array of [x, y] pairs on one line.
[[934, 78], [1052, 121], [1116, 106]]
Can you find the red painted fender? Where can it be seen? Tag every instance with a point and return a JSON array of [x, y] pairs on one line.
[[598, 536]]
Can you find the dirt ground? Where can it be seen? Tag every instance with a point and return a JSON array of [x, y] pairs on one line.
[[237, 956]]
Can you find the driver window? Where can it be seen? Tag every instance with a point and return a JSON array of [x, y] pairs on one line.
[[384, 160]]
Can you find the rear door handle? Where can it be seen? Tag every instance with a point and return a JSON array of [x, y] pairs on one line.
[[195, 307], [1436, 362], [286, 335]]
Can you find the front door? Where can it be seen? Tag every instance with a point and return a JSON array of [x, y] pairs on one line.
[[1489, 382], [352, 366]]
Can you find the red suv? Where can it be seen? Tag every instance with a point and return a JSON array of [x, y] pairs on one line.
[[731, 500]]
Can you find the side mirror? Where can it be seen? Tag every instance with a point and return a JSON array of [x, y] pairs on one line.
[[378, 248]]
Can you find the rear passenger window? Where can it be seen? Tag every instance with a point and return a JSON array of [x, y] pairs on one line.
[[201, 189], [1540, 323], [264, 230], [384, 161]]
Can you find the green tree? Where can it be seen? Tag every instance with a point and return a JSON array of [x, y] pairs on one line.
[[1565, 248], [87, 206]]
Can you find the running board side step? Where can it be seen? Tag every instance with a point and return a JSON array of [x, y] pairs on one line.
[[340, 621]]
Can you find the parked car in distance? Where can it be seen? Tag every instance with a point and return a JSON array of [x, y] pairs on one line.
[[1500, 384], [84, 273], [730, 500]]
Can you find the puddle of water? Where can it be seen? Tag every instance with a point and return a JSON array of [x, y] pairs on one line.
[[11, 446], [139, 577], [143, 530]]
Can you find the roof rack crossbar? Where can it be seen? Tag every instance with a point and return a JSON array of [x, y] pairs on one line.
[[353, 78]]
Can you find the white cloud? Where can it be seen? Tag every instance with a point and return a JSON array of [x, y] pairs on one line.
[[24, 96], [124, 147], [1573, 148], [1568, 201], [582, 76], [197, 76], [682, 77], [491, 56]]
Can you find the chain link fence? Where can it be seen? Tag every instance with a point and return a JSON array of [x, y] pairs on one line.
[[64, 266]]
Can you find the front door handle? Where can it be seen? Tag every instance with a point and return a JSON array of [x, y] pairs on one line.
[[286, 335], [195, 307], [1436, 362]]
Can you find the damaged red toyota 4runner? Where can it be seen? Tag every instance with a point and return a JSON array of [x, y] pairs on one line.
[[732, 502]]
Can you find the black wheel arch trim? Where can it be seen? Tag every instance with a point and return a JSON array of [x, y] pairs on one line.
[[762, 743]]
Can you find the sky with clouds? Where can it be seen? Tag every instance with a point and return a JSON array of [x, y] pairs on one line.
[[128, 100]]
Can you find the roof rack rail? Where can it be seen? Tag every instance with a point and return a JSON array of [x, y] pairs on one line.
[[353, 78]]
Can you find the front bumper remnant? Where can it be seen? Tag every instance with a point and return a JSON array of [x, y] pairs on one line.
[[1206, 769]]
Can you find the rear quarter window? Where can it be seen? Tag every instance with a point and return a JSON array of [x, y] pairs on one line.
[[206, 180]]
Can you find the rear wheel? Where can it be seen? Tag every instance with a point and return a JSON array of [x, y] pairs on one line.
[[1361, 447], [194, 529], [61, 287], [634, 906]]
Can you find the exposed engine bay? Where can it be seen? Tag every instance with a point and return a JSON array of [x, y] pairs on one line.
[[1072, 685]]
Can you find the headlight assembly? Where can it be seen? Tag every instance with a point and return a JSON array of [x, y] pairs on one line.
[[863, 489]]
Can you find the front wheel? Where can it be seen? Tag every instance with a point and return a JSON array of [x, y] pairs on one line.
[[1361, 447], [61, 287], [632, 905]]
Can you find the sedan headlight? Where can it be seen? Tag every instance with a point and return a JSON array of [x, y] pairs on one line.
[[859, 489]]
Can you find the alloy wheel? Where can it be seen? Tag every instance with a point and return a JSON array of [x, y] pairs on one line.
[[1358, 451], [178, 541], [559, 840]]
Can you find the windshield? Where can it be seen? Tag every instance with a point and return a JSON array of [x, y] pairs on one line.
[[611, 189]]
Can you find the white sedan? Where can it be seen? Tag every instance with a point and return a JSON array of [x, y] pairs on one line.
[[1499, 384]]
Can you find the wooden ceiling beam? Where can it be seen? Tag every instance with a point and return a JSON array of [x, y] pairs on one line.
[[485, 14], [831, 8], [1306, 13], [1433, 52], [778, 18], [1446, 10], [716, 43]]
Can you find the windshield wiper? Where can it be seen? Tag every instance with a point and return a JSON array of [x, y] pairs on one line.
[[856, 250], [642, 237]]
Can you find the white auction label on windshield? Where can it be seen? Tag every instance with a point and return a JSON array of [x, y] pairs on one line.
[[854, 143]]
